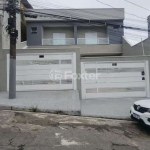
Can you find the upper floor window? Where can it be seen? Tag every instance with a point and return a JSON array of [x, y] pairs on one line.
[[33, 29], [59, 39], [91, 38]]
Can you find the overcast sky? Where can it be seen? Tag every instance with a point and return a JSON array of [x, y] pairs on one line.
[[132, 36]]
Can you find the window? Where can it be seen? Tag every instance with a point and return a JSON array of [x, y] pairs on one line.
[[33, 29], [91, 38], [59, 39]]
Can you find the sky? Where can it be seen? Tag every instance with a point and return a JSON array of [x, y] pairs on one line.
[[133, 37]]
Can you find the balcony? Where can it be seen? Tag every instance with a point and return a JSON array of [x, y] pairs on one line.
[[61, 41], [80, 41], [94, 41]]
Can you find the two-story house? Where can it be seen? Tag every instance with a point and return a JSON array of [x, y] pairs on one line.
[[78, 41], [91, 32]]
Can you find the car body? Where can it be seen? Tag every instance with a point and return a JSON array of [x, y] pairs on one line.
[[140, 111]]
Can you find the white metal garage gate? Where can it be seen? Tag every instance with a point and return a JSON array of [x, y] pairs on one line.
[[115, 79], [33, 71]]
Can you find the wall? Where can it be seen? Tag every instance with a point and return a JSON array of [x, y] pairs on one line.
[[3, 62], [87, 50], [115, 35], [48, 31], [136, 50], [34, 39], [101, 31]]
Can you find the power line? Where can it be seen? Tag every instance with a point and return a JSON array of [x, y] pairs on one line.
[[84, 10], [81, 19], [121, 10], [137, 5]]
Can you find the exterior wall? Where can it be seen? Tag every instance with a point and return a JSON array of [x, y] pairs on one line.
[[118, 58], [115, 35], [101, 31], [3, 62], [105, 50], [34, 39], [87, 50], [48, 31], [136, 50]]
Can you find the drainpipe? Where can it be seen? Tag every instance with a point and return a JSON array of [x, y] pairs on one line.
[[75, 34], [143, 47]]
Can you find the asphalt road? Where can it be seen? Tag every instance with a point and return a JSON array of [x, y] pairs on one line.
[[34, 131]]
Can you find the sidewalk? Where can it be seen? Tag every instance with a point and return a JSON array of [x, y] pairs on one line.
[[68, 102], [117, 108], [65, 102]]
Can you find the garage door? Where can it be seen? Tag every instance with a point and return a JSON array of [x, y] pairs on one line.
[[33, 71], [115, 79]]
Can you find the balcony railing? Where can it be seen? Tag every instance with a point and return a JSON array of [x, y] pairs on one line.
[[61, 41], [96, 41]]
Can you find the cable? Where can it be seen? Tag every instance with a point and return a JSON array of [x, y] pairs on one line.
[[83, 10], [121, 10], [81, 19], [137, 5]]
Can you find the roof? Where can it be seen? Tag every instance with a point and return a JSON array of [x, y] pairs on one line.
[[27, 4], [87, 14]]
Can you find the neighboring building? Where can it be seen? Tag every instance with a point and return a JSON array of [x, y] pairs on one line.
[[20, 25], [140, 49]]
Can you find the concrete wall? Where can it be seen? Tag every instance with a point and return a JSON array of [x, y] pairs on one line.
[[136, 50], [87, 50], [34, 38], [48, 31], [115, 35], [3, 62]]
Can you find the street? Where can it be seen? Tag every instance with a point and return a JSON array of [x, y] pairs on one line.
[[39, 131]]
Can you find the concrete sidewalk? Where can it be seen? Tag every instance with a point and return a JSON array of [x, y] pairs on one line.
[[67, 102], [117, 108]]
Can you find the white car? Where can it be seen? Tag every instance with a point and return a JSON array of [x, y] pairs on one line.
[[140, 111]]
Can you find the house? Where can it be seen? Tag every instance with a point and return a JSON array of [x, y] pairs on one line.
[[78, 41], [91, 32]]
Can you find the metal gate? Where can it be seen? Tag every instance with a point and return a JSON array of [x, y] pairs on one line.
[[33, 71], [115, 79]]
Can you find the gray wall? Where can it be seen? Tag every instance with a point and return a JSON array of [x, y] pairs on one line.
[[3, 62], [115, 35], [48, 31], [137, 49], [34, 39]]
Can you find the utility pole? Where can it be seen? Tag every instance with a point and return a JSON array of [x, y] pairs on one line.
[[11, 29]]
